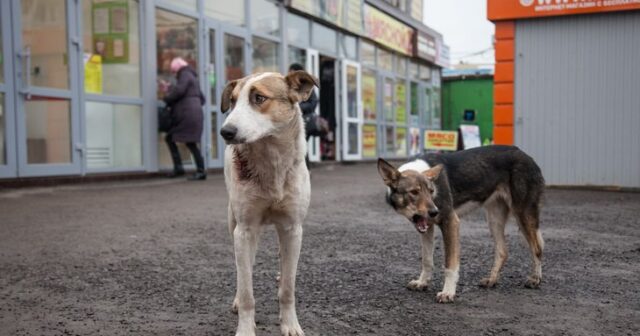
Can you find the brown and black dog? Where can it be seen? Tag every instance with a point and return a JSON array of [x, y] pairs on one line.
[[438, 188]]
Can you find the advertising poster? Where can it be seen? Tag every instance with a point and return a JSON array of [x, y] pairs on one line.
[[369, 141], [414, 141], [387, 102], [110, 29], [401, 103], [470, 136], [441, 140], [401, 141], [369, 96]]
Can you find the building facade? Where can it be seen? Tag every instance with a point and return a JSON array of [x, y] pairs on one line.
[[566, 87], [79, 79]]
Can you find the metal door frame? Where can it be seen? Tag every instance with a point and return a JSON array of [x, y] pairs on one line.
[[10, 168], [346, 120], [24, 90], [313, 67]]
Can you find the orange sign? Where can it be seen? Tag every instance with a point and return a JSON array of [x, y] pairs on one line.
[[517, 9], [441, 140]]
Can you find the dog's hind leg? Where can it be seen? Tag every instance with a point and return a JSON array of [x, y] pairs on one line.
[[529, 219], [451, 236], [245, 242], [427, 262], [290, 238], [497, 215]]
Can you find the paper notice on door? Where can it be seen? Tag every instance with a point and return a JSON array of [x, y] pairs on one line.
[[118, 48], [101, 20]]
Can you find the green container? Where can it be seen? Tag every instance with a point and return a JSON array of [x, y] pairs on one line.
[[468, 93]]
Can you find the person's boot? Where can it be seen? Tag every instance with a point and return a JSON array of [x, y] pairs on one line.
[[200, 175], [177, 172]]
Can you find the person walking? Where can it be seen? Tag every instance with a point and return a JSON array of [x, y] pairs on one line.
[[307, 107], [185, 100]]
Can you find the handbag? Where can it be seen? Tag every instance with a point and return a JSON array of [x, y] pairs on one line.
[[165, 119]]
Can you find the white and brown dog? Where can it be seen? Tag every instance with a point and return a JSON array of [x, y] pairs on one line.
[[267, 181]]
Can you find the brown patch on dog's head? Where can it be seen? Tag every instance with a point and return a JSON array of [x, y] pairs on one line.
[[412, 194], [230, 94], [300, 85]]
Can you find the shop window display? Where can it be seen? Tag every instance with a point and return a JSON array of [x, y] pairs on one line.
[[265, 56], [111, 47]]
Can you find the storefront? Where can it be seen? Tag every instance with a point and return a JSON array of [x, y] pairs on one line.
[[566, 87], [78, 81]]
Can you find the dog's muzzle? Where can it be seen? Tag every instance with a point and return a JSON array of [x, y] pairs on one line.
[[228, 132]]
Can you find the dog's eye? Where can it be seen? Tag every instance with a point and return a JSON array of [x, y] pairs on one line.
[[431, 190], [415, 192], [260, 99]]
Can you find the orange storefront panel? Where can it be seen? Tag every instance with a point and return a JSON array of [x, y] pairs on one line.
[[503, 135], [520, 9]]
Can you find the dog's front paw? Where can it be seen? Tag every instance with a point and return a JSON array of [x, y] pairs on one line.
[[418, 285], [533, 282], [234, 306], [488, 283], [292, 329], [444, 297]]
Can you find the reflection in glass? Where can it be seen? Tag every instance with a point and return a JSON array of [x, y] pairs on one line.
[[323, 37], [352, 92], [389, 148], [369, 94], [413, 70], [401, 102], [44, 34], [385, 59], [111, 51], [233, 57], [297, 55], [265, 55], [435, 110], [426, 110], [425, 72], [368, 52], [3, 136], [265, 17], [387, 99], [297, 30], [228, 11], [353, 138], [211, 69], [401, 65], [176, 36], [114, 135], [214, 135], [186, 4], [348, 46], [414, 103], [48, 123]]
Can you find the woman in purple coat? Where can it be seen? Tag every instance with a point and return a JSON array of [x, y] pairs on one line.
[[185, 99]]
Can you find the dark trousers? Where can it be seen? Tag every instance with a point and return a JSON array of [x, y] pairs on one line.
[[175, 154]]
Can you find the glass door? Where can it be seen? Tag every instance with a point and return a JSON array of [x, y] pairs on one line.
[[212, 91], [45, 45], [351, 112], [313, 67]]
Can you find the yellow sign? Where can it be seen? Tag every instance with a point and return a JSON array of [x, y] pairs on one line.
[[369, 141], [388, 31], [93, 73], [441, 140], [401, 103], [401, 141]]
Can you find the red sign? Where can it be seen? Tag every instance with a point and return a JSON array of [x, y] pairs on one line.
[[517, 9]]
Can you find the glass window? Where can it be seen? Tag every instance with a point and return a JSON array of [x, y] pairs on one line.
[[176, 36], [387, 99], [426, 109], [3, 138], [48, 130], [401, 102], [114, 135], [389, 147], [233, 57], [414, 103], [1, 61], [401, 65], [413, 70], [297, 30], [368, 52], [214, 135], [352, 132], [369, 94], [369, 141], [323, 37], [435, 111], [265, 17], [229, 12], [265, 55], [297, 55], [44, 32], [401, 141], [352, 92], [348, 46], [111, 53], [187, 4], [385, 59], [425, 72], [211, 69]]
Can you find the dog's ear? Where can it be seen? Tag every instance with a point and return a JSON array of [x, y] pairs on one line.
[[388, 172], [225, 102], [434, 172], [300, 85]]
